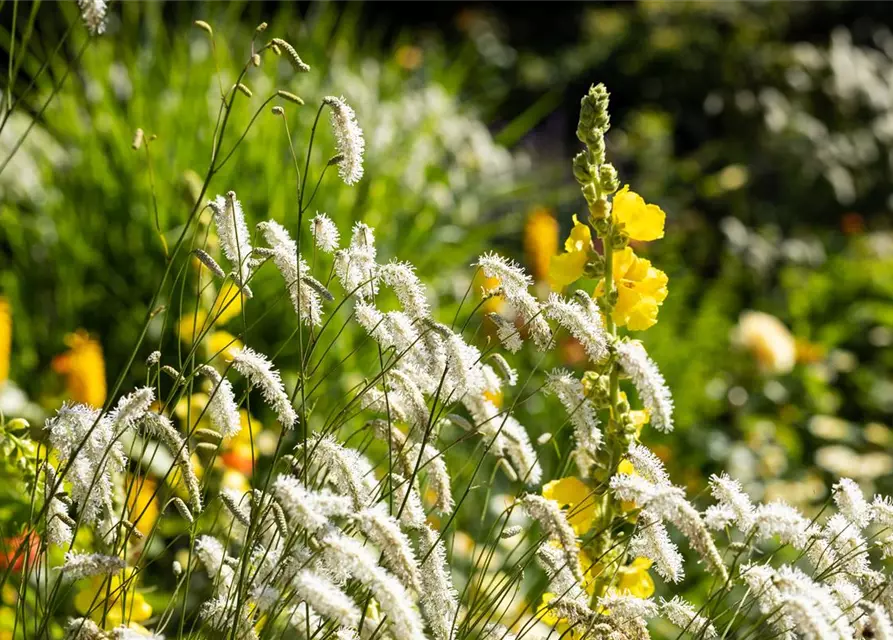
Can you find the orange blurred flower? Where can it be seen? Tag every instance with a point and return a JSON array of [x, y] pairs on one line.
[[540, 242], [5, 338], [83, 366]]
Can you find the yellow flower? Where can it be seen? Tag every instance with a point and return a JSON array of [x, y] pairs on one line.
[[223, 343], [568, 267], [84, 369], [641, 289], [191, 325], [540, 241], [5, 338], [142, 503], [635, 580], [493, 304], [768, 340], [228, 304], [640, 220], [579, 499], [104, 594]]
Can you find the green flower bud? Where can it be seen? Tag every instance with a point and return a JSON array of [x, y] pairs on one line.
[[596, 144], [598, 209], [595, 267], [602, 227], [17, 424], [607, 177], [619, 239], [582, 168], [590, 193]]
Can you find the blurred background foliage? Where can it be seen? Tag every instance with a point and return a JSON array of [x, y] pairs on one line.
[[762, 129]]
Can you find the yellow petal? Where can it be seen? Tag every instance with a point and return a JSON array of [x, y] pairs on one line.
[[641, 221], [579, 499], [228, 304], [567, 268], [580, 238]]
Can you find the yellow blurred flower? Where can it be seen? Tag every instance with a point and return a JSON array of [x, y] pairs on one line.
[[493, 304], [83, 367], [409, 57], [641, 289], [577, 497], [142, 503], [641, 221], [634, 579], [223, 343], [191, 325], [5, 338], [568, 267], [540, 241], [768, 341], [104, 593], [228, 304]]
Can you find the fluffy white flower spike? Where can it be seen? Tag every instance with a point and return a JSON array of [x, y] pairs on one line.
[[851, 503], [585, 326], [649, 382], [260, 374], [349, 140], [325, 233], [235, 240], [513, 286]]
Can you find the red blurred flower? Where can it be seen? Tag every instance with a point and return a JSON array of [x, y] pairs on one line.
[[9, 548]]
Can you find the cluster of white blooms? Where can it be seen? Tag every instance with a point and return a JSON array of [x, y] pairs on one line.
[[649, 382], [84, 565], [349, 140], [355, 266], [222, 406], [555, 524], [583, 416], [303, 289], [582, 319], [93, 13], [661, 502], [325, 233], [430, 359], [92, 453], [235, 240], [260, 374], [514, 285]]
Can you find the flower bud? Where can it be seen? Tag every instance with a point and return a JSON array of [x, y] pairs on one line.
[[607, 177], [602, 226], [598, 209], [590, 193], [595, 267], [18, 423], [619, 239], [582, 168]]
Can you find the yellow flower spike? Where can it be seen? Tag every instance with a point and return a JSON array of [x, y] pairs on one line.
[[83, 366], [5, 338], [228, 304], [540, 241], [568, 267], [641, 289], [641, 221], [635, 579], [579, 499]]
